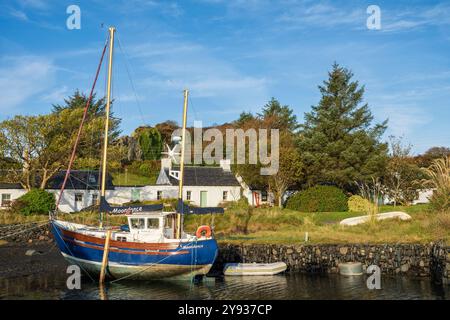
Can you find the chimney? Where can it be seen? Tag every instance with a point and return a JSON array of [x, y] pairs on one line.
[[225, 164], [166, 163]]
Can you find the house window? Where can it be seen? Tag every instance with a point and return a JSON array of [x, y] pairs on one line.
[[6, 200], [225, 196], [264, 196], [188, 195], [152, 223], [94, 199], [158, 195], [135, 195], [78, 197]]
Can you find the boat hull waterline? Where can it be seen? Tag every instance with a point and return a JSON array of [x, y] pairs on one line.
[[136, 260]]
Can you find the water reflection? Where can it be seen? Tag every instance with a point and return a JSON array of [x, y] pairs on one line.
[[299, 286]]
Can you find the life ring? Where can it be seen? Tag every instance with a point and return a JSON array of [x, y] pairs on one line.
[[203, 231]]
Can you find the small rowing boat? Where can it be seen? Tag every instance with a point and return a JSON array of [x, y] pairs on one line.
[[254, 269]]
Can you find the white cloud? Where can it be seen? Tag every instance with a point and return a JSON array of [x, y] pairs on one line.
[[403, 119], [18, 14], [57, 95], [23, 77]]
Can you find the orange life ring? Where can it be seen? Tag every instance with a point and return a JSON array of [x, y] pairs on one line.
[[203, 229]]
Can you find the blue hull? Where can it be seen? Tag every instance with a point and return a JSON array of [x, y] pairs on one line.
[[183, 260]]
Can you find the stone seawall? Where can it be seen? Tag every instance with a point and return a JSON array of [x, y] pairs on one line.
[[420, 260], [430, 260]]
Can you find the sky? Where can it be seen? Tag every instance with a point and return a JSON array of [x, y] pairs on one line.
[[233, 56]]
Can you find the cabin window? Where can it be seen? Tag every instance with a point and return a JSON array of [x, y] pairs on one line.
[[152, 223], [94, 199], [158, 195], [6, 199], [78, 197], [225, 196], [137, 223], [188, 195]]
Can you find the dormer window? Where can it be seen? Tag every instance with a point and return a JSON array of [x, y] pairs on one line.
[[91, 179]]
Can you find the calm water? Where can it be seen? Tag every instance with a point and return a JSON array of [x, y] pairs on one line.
[[298, 286]]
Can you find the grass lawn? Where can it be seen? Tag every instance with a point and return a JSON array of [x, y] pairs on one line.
[[286, 226], [130, 179]]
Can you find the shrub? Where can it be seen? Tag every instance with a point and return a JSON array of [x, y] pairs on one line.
[[318, 199], [358, 204], [35, 201], [438, 174]]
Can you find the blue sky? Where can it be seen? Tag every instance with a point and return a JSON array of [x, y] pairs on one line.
[[233, 55]]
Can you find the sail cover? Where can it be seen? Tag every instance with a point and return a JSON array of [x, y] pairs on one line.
[[185, 209], [105, 207]]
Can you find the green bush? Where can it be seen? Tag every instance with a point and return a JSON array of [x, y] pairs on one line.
[[358, 204], [35, 201], [318, 199]]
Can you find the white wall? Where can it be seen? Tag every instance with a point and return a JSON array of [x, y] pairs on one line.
[[15, 193], [122, 195]]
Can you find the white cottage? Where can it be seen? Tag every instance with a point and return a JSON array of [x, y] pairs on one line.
[[203, 187]]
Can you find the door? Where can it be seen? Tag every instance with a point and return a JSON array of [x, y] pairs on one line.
[[203, 198]]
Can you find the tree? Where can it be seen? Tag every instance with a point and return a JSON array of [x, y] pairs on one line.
[[38, 144], [165, 129], [150, 142], [278, 116], [401, 173], [290, 167], [426, 159], [244, 117], [91, 144], [337, 142]]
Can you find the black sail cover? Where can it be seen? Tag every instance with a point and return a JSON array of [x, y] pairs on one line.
[[105, 207], [185, 209]]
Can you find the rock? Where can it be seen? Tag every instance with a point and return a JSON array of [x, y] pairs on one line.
[[343, 250], [30, 241], [289, 251], [404, 267], [41, 238], [30, 252]]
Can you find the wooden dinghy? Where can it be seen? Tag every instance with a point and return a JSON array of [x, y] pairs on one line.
[[254, 269]]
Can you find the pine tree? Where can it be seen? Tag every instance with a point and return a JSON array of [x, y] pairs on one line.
[[338, 143]]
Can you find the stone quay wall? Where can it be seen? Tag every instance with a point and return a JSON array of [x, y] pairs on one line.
[[420, 260]]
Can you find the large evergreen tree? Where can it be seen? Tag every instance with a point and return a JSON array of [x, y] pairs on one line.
[[338, 143]]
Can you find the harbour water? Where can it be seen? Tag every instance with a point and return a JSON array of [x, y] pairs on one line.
[[289, 286]]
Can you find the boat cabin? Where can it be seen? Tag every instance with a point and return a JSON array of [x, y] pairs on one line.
[[150, 226]]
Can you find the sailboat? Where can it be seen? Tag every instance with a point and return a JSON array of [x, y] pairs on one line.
[[153, 245]]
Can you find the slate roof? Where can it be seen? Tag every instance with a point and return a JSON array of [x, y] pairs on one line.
[[78, 179], [205, 176]]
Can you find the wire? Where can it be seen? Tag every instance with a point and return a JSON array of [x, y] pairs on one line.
[[130, 78]]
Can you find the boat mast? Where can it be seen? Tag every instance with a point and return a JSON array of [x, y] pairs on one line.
[[108, 104], [181, 174]]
